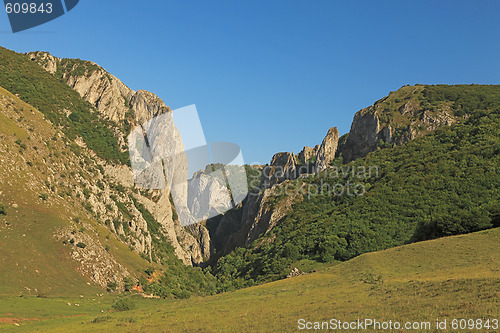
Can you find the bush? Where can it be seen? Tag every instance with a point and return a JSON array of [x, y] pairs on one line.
[[182, 294], [129, 283], [123, 304], [3, 209], [97, 320], [81, 245], [111, 286], [86, 193]]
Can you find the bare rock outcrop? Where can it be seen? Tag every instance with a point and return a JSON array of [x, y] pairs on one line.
[[94, 261], [258, 216], [327, 150], [46, 60], [103, 90], [267, 213], [295, 272], [307, 154], [369, 133], [363, 136], [283, 166], [208, 196], [146, 106]]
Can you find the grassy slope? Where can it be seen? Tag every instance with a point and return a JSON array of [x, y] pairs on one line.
[[453, 277], [27, 231], [31, 261]]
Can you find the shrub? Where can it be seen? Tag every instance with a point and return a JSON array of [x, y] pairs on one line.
[[3, 209], [86, 193], [88, 206], [130, 320], [129, 283], [111, 286], [182, 294], [81, 245], [123, 304], [97, 320]]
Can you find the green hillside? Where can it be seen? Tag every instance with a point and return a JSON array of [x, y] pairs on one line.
[[46, 218], [39, 202], [55, 99], [447, 278], [444, 183]]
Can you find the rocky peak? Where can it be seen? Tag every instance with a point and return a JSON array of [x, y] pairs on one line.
[[327, 149], [283, 166], [307, 153], [396, 119], [363, 136], [46, 60], [147, 105], [105, 92]]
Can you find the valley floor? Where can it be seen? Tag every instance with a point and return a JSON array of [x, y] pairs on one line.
[[449, 278]]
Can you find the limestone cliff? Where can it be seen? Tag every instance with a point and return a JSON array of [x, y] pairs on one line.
[[208, 196], [257, 216], [126, 108], [363, 136]]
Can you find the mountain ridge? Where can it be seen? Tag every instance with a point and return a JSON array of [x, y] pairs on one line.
[[90, 113]]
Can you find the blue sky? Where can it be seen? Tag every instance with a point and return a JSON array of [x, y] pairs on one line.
[[275, 75]]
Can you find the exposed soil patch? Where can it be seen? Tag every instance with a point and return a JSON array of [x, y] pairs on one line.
[[11, 320]]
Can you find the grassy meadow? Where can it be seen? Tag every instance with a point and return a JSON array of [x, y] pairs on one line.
[[448, 278]]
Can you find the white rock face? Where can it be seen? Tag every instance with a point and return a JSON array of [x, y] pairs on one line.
[[108, 94], [208, 196]]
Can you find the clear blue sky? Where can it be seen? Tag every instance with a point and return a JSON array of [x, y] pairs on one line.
[[275, 75]]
